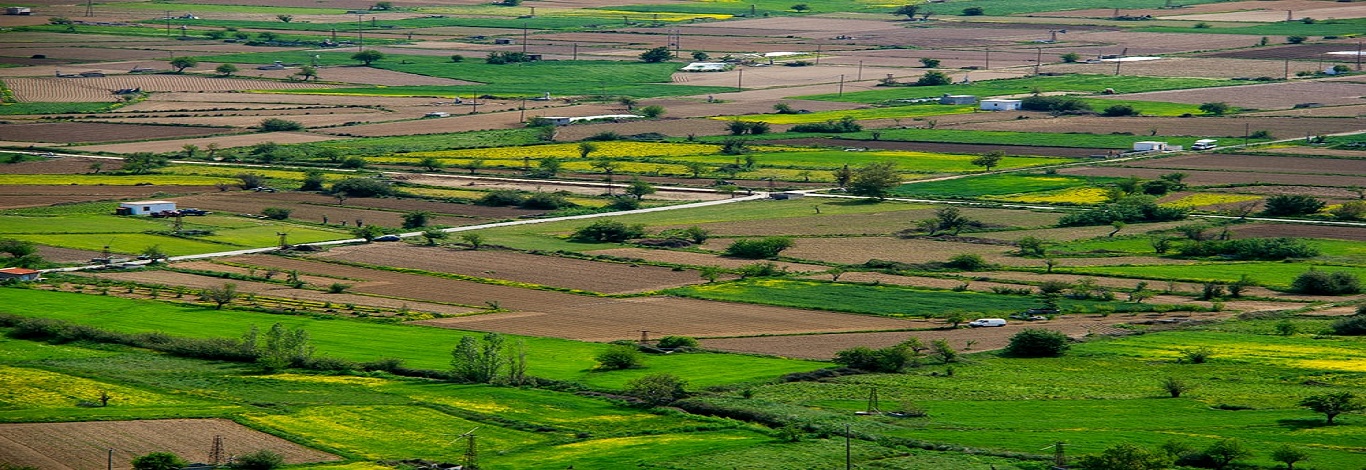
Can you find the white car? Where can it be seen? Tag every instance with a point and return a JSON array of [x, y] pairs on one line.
[[984, 322]]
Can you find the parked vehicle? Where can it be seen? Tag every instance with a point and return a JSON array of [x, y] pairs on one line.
[[987, 322], [388, 238], [1204, 144]]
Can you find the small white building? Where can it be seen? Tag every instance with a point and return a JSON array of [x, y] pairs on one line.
[[1000, 105], [957, 99], [706, 67], [145, 207], [1151, 146], [437, 114]]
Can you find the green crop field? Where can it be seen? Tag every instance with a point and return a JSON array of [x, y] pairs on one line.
[[884, 300], [1088, 84], [422, 347], [1276, 275], [54, 108], [93, 226], [997, 185]]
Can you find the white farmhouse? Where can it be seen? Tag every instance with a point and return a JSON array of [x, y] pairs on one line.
[[145, 207], [1000, 105]]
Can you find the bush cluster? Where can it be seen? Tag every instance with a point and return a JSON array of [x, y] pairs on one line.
[[844, 124], [1036, 342], [1131, 209], [1315, 282], [1354, 325], [758, 248], [1252, 248], [1054, 104], [608, 231], [538, 200]]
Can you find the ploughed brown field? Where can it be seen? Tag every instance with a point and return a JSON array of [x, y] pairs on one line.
[[12, 197], [312, 207], [76, 132], [84, 445], [1257, 164]]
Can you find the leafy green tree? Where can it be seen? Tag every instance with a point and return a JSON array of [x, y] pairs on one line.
[[801, 7], [158, 461], [1289, 456], [368, 233], [479, 361], [416, 219], [955, 318], [1333, 404], [22, 253], [1070, 57], [434, 235], [307, 72], [700, 56], [654, 111], [285, 347], [226, 70], [143, 162], [608, 231], [1315, 282], [1291, 205], [219, 295], [619, 356], [758, 248], [973, 11], [639, 189], [367, 57], [934, 78], [276, 213], [658, 54], [285, 18], [586, 148], [474, 240], [313, 180], [1217, 108], [875, 180], [929, 63], [1225, 452], [908, 11], [361, 187], [657, 389], [279, 125], [989, 160], [1036, 342], [182, 63]]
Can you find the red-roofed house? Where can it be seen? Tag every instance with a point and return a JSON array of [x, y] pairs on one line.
[[22, 274]]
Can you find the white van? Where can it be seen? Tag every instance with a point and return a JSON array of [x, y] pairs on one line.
[[983, 322], [1204, 144]]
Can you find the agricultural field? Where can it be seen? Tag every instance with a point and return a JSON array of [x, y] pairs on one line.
[[809, 200]]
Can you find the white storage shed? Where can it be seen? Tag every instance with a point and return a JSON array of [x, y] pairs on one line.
[[1000, 105], [145, 207]]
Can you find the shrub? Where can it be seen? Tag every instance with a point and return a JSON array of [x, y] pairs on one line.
[[1054, 104], [1252, 248], [279, 125], [259, 460], [933, 78], [361, 187], [1296, 39], [1070, 57], [158, 461], [973, 11], [1315, 282], [1354, 325], [619, 357], [657, 389], [758, 248], [547, 201], [1292, 204], [1131, 209], [276, 213], [1217, 108], [967, 262], [1035, 342], [1197, 355], [501, 197], [416, 219], [1351, 210], [929, 63], [1175, 387], [890, 359], [844, 124], [675, 342], [608, 231], [1119, 110]]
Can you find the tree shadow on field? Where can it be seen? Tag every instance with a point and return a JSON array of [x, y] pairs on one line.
[[1298, 424]]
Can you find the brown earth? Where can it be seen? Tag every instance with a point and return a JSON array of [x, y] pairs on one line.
[[1279, 95], [35, 196], [1257, 164], [60, 166], [946, 147], [698, 259], [1300, 231], [1216, 178], [57, 89], [83, 445], [76, 132], [547, 270], [310, 207], [1142, 127], [222, 141]]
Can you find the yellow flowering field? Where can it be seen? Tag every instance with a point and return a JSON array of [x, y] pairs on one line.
[[385, 432], [613, 149], [33, 388], [1209, 199], [232, 172], [1084, 195]]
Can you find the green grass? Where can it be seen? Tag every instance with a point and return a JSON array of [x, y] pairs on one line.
[[1276, 275], [1088, 84], [997, 185], [1147, 108], [883, 300], [92, 227], [421, 347], [9, 109]]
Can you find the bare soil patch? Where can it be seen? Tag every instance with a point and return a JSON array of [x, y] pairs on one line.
[[1286, 51], [56, 89], [223, 141], [1280, 95], [947, 147], [82, 445], [35, 196], [697, 259], [361, 75], [1142, 127], [59, 166], [1257, 163], [66, 255], [77, 132], [313, 207], [555, 271], [1215, 178], [1202, 67], [1299, 231]]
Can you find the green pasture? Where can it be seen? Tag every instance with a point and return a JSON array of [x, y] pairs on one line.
[[882, 300], [1104, 392], [889, 112], [1275, 275], [1330, 251], [1015, 7], [998, 185], [1084, 84], [92, 227], [370, 146], [1147, 108], [763, 8], [419, 346], [907, 161], [10, 109], [1344, 27]]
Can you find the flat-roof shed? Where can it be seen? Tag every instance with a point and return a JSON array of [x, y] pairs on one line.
[[145, 207], [21, 274]]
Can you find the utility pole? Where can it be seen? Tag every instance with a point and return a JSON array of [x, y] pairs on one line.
[[841, 92], [523, 38], [860, 71], [111, 458], [168, 23], [576, 51], [848, 454], [1358, 56], [818, 54], [1038, 59], [988, 59], [739, 82], [360, 33], [89, 8]]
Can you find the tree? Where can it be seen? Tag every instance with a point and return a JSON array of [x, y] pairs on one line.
[[608, 231], [474, 240], [700, 56], [21, 253], [934, 78], [361, 187], [657, 389], [639, 189], [1315, 282], [276, 213], [607, 166], [654, 111], [368, 233], [433, 235], [695, 168], [801, 7], [220, 295], [1289, 455], [586, 148], [477, 361], [1350, 210], [158, 461], [279, 125], [973, 11], [1070, 57], [955, 318], [472, 165], [431, 163], [1225, 452], [313, 180], [307, 72], [549, 166], [1036, 342], [908, 11], [285, 18], [843, 175], [941, 350], [1291, 205], [875, 180], [1217, 108], [658, 54], [259, 460], [989, 160], [1175, 387], [1333, 404], [285, 347], [1032, 246], [182, 63], [1119, 110], [154, 253], [1125, 456], [225, 70], [416, 219], [929, 63], [1296, 39], [619, 356], [143, 162], [368, 56]]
